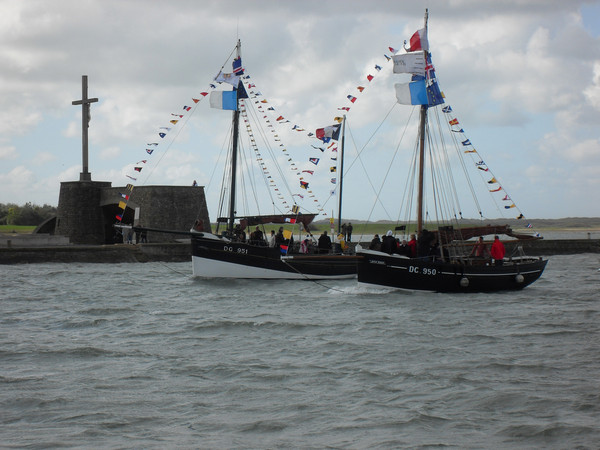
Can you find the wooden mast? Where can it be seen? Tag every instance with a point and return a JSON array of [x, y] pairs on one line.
[[422, 126], [341, 175], [234, 153]]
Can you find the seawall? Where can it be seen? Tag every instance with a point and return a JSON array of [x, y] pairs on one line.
[[118, 253], [181, 251]]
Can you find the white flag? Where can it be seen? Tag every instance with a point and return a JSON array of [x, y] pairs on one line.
[[410, 63], [228, 78]]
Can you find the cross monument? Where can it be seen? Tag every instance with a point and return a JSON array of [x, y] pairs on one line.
[[85, 123]]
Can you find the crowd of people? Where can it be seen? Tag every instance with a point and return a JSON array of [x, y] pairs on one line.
[[426, 245]]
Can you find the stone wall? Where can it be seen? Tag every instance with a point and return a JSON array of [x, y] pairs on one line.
[[79, 215], [174, 208]]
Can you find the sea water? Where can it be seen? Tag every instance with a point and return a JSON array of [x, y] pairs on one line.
[[145, 356]]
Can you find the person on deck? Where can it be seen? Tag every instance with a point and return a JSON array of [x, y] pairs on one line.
[[412, 245], [388, 243], [279, 239], [324, 243], [256, 237], [498, 251], [403, 248], [349, 232], [375, 243], [272, 239], [480, 249]]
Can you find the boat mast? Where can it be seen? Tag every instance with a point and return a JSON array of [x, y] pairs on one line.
[[234, 153], [422, 124], [341, 174]]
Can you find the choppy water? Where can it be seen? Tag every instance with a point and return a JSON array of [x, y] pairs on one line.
[[144, 356]]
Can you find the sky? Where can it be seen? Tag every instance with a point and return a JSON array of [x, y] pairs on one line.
[[523, 78]]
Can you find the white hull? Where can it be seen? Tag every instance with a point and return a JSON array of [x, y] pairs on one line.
[[211, 268]]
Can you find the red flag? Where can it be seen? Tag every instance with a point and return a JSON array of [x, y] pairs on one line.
[[453, 122], [370, 77], [418, 41]]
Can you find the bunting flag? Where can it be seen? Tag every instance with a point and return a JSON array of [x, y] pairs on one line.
[[492, 181], [122, 205], [418, 41], [315, 161], [125, 196], [370, 77], [129, 187], [466, 142], [410, 63], [162, 135], [447, 109], [187, 108], [352, 98], [296, 208], [360, 88], [288, 220], [330, 132], [229, 78], [496, 190], [333, 181], [333, 169], [137, 169], [149, 151], [304, 185], [226, 100], [511, 206], [393, 50], [119, 217], [310, 172], [453, 122], [237, 66], [413, 93]]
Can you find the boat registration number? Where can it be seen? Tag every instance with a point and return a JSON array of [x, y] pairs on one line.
[[229, 248], [422, 271]]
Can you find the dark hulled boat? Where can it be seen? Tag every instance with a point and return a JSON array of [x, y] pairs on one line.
[[448, 264]]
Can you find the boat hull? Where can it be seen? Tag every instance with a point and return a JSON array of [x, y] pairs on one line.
[[218, 258], [395, 271]]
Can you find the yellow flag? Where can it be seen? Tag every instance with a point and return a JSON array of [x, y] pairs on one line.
[[122, 205], [287, 234]]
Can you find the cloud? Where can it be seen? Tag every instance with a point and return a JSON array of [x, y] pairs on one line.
[[524, 80], [8, 153]]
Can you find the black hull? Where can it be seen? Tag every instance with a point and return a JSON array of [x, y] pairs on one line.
[[426, 275], [217, 258]]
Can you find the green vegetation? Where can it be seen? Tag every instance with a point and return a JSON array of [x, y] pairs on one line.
[[20, 229], [28, 214]]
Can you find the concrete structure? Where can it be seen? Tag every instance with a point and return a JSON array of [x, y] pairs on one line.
[[87, 209]]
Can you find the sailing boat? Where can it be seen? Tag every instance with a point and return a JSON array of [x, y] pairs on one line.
[[444, 262], [228, 254]]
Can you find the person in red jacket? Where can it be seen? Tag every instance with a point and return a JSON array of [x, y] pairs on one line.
[[412, 245], [498, 251]]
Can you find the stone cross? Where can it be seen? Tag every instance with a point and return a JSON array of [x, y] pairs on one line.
[[85, 123]]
